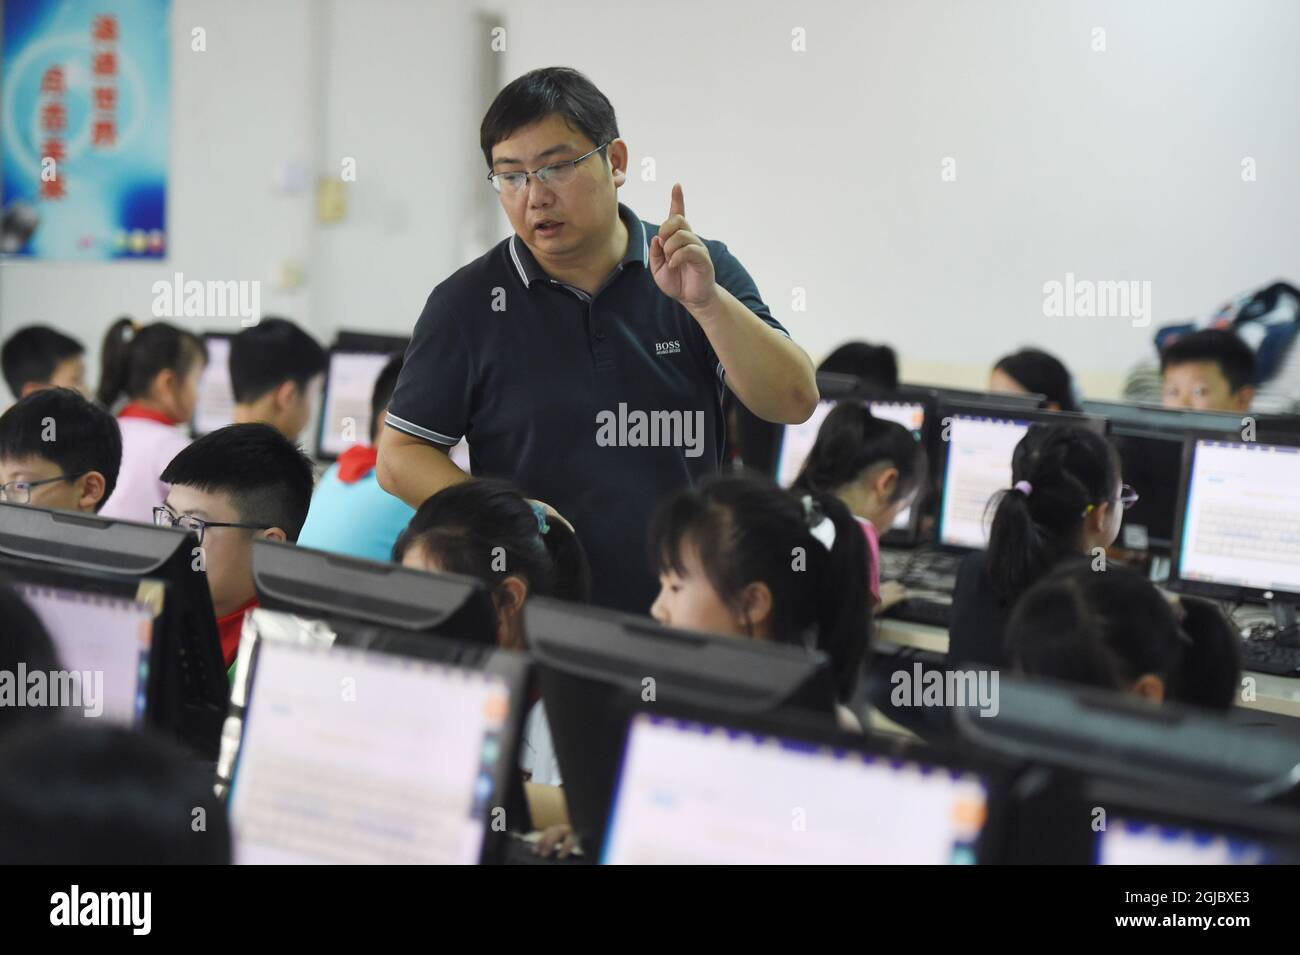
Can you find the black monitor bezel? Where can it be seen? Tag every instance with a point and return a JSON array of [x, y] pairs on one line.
[[351, 343]]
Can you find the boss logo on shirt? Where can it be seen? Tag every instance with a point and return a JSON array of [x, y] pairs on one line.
[[668, 348]]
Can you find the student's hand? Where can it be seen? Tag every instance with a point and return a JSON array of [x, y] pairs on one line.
[[679, 260], [891, 592], [559, 840]]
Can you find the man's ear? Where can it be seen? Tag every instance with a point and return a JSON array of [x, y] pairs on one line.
[[617, 152], [92, 486], [271, 534]]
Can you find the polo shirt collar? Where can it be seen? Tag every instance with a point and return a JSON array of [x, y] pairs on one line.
[[638, 250]]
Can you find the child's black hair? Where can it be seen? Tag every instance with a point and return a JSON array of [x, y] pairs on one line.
[[383, 394], [877, 365], [82, 793], [268, 354], [486, 529], [61, 426], [23, 640], [1233, 356], [131, 357], [1068, 468], [1108, 628], [31, 354], [1041, 374], [268, 478], [851, 441], [747, 530]]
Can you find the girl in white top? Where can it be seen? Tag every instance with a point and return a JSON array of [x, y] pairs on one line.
[[156, 368]]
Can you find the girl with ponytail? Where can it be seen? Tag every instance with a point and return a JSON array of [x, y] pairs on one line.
[[485, 528], [1113, 629], [741, 557], [156, 368], [875, 468], [1066, 500]]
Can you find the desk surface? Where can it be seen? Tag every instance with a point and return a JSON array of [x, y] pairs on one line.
[[1273, 694]]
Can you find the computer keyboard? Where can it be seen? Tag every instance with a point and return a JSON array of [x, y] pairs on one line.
[[1261, 652], [931, 611], [921, 569]]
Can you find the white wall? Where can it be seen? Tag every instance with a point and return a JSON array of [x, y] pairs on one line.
[[820, 169], [238, 109]]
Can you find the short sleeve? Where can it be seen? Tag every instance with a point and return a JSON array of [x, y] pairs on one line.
[[731, 275], [432, 398]]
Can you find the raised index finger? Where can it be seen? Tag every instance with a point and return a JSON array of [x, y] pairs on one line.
[[678, 205]]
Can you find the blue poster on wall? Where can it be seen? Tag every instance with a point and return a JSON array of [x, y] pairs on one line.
[[85, 110]]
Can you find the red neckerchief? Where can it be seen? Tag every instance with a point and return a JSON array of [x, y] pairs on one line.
[[229, 629], [135, 410], [356, 462]]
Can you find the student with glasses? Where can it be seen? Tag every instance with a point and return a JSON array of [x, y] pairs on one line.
[[1065, 503], [231, 487], [60, 451], [584, 314]]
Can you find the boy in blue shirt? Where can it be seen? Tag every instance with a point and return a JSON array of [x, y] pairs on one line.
[[350, 513]]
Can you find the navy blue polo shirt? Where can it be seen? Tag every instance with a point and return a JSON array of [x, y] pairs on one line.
[[600, 405]]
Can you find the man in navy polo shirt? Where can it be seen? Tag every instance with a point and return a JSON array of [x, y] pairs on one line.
[[584, 357]]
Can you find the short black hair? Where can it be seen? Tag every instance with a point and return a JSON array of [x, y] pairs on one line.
[[267, 476], [537, 94], [268, 354], [383, 393], [1040, 373], [877, 365], [61, 426], [23, 640], [1233, 356], [31, 354], [83, 793]]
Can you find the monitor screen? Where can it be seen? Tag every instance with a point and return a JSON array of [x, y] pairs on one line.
[[1241, 516], [697, 794], [345, 410], [216, 405], [356, 757], [798, 439], [1138, 842], [106, 639], [977, 466]]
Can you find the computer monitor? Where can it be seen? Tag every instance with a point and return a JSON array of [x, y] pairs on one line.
[[1238, 530], [978, 444], [316, 583], [107, 640], [1135, 839], [709, 793], [596, 666], [355, 756], [908, 409], [216, 404], [1113, 736], [992, 399], [354, 367], [84, 552]]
